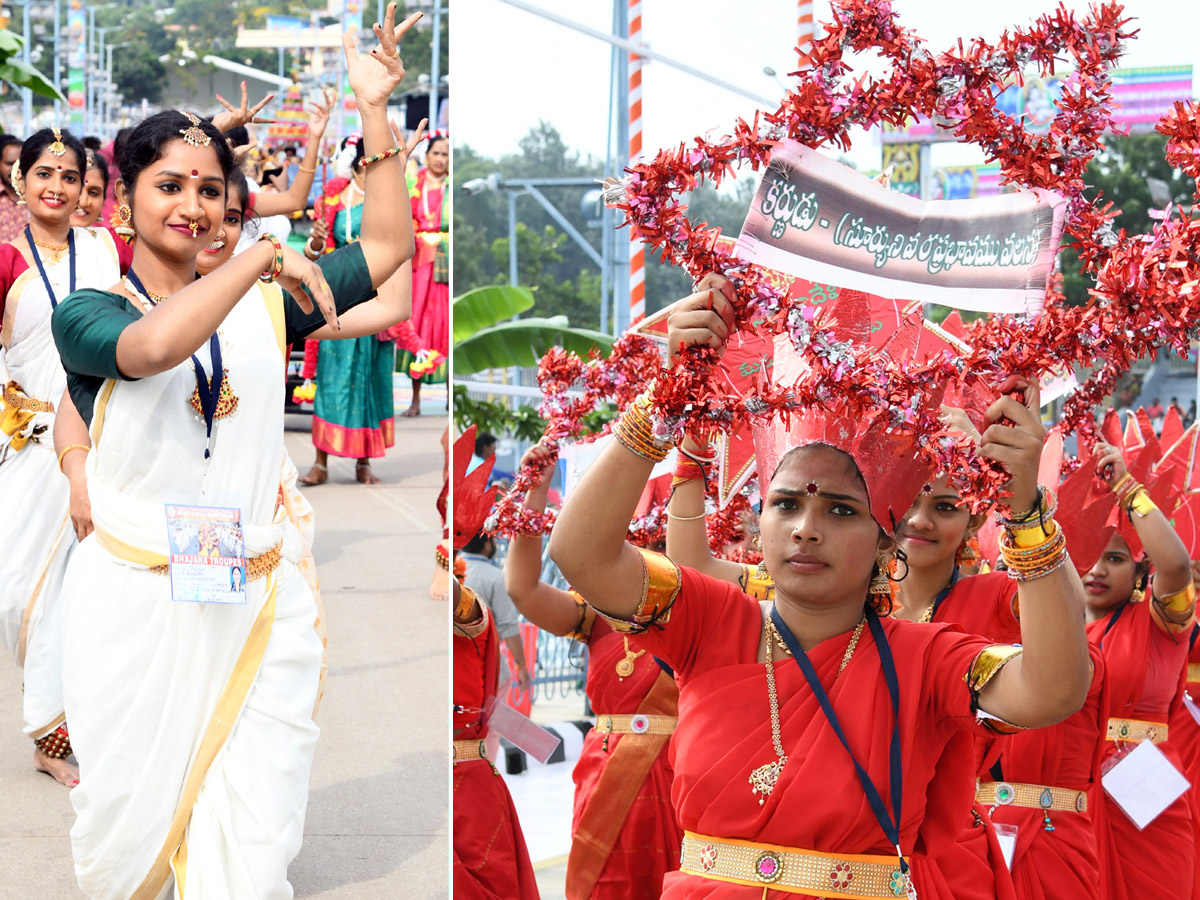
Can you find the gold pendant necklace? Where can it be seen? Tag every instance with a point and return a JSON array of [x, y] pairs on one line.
[[625, 666], [227, 400], [150, 297], [765, 777]]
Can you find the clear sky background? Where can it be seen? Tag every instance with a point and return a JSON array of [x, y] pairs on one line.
[[512, 68]]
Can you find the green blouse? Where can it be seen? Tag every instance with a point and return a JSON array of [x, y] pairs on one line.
[[88, 323]]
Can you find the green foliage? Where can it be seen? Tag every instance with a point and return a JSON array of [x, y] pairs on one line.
[[524, 423], [523, 343], [1119, 174], [20, 74], [484, 307]]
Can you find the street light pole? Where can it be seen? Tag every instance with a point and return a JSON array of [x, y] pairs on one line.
[[58, 51], [434, 73]]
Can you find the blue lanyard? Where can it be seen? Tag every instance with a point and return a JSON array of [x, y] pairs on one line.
[[1111, 623], [889, 823], [42, 269], [208, 390], [943, 594]]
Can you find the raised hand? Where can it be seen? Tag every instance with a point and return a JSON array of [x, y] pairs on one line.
[[1014, 439], [243, 115], [704, 319], [318, 114], [1109, 463], [410, 144], [373, 77]]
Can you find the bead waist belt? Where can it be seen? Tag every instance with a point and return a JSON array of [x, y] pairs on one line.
[[792, 870], [1032, 796], [15, 398], [1135, 731], [636, 724], [1193, 674], [256, 567], [467, 750]]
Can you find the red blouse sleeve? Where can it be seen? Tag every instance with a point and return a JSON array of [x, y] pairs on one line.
[[124, 248], [250, 202], [12, 264]]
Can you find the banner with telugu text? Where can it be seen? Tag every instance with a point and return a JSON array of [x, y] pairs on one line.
[[815, 218]]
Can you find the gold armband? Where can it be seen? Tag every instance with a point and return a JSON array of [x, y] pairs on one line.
[[1176, 609], [983, 669], [660, 587], [583, 628], [1139, 502], [756, 582], [466, 600]]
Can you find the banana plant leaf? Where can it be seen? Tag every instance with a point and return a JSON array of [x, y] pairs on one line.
[[15, 71], [486, 306], [523, 343]]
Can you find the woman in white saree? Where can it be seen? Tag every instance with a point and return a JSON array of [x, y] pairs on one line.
[[37, 271], [192, 721]]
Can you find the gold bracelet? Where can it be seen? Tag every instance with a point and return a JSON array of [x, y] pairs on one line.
[[685, 518], [312, 171], [1138, 501], [633, 431], [1182, 600], [467, 599], [84, 447]]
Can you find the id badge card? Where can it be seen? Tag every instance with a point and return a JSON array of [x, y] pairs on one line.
[[522, 731], [1006, 836], [207, 563], [1144, 783]]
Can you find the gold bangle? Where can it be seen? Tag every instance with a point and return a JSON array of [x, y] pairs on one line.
[[312, 171], [84, 447], [467, 599], [1139, 502], [685, 518], [1182, 600]]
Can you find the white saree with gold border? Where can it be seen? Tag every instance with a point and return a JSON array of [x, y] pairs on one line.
[[192, 723], [35, 528]]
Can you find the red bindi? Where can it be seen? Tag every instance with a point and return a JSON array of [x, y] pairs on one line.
[[811, 488], [195, 174]]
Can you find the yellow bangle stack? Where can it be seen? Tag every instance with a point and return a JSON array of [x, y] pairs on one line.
[[1032, 528], [1025, 561], [1133, 497], [634, 430]]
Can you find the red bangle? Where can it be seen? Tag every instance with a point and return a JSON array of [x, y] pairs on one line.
[[274, 270]]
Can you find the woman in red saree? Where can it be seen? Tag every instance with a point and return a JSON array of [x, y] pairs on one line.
[[624, 837], [806, 776], [491, 861], [1141, 624]]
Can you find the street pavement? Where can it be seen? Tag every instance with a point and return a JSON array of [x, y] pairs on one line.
[[378, 824]]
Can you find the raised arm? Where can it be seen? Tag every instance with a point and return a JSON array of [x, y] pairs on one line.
[[546, 606], [1174, 597], [295, 198], [588, 542], [687, 534], [386, 233], [1049, 680]]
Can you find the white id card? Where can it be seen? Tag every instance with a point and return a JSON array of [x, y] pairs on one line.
[[208, 556], [1144, 783], [520, 729], [1191, 707], [1006, 835]]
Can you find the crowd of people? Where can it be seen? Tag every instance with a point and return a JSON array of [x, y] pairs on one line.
[[144, 362], [888, 694]]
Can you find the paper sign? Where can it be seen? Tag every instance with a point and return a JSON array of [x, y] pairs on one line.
[[815, 218], [1144, 783], [207, 563], [1006, 836], [522, 731]]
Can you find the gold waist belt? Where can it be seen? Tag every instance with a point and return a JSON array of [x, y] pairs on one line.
[[1032, 796], [636, 724], [256, 567], [791, 870], [1193, 674], [1135, 731], [467, 750], [15, 398]]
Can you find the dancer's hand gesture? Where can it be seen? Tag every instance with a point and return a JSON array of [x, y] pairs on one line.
[[1109, 463], [373, 77], [411, 143], [299, 272], [318, 114], [243, 115], [704, 319]]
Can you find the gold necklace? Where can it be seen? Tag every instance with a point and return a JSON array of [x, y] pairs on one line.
[[625, 666], [152, 298], [54, 248], [765, 777]]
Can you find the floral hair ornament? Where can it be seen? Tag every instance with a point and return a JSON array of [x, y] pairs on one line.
[[57, 147], [194, 134], [14, 178]]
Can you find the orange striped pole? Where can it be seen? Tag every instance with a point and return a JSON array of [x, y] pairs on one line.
[[637, 254], [804, 28]]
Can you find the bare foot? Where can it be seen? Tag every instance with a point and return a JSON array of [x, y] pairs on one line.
[[318, 474], [362, 471], [59, 769], [412, 411]]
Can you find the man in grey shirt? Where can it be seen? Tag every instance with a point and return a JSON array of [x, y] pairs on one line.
[[487, 580]]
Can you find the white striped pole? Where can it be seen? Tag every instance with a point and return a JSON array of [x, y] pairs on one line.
[[637, 254], [804, 28]]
